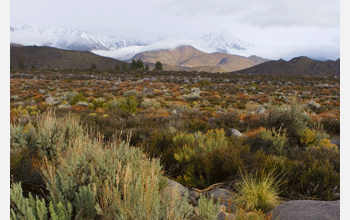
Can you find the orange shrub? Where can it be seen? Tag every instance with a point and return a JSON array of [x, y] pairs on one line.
[[100, 110], [255, 132], [78, 107]]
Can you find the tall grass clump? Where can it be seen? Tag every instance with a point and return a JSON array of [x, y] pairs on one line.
[[257, 192], [90, 178]]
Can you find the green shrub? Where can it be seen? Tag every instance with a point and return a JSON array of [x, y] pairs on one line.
[[54, 135], [241, 214], [291, 120], [310, 173], [98, 103], [78, 98], [93, 179], [208, 209], [128, 103], [205, 83], [331, 125], [150, 103], [278, 139], [241, 105], [26, 208], [203, 158], [224, 120]]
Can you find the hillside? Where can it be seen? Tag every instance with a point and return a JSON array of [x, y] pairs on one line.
[[189, 57], [298, 65], [51, 58]]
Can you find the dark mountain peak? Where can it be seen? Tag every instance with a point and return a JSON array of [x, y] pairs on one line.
[[299, 65], [300, 59]]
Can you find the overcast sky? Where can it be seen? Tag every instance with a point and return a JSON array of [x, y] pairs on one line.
[[275, 28]]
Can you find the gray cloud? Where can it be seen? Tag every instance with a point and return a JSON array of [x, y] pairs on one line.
[[264, 13]]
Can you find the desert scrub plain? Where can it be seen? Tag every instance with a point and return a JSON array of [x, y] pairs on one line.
[[104, 144]]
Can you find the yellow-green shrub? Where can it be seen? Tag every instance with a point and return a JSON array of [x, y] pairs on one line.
[[307, 136]]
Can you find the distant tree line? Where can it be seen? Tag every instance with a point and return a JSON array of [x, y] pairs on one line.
[[134, 65]]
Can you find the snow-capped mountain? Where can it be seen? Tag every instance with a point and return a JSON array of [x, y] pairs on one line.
[[117, 47], [68, 38], [225, 42]]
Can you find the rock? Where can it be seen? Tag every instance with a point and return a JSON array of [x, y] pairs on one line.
[[221, 216], [14, 97], [307, 209], [313, 105], [18, 103], [42, 91], [336, 143], [235, 133], [196, 211], [186, 81], [219, 193], [192, 201], [64, 106], [149, 93], [222, 208], [260, 110], [194, 194], [130, 93], [49, 100], [173, 184], [83, 104], [305, 93]]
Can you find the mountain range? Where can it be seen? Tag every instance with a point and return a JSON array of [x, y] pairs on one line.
[[119, 47], [69, 39], [44, 58]]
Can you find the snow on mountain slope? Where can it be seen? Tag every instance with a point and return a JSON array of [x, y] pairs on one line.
[[68, 38], [225, 42], [119, 48]]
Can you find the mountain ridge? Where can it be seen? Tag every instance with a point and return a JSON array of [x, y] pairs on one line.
[[44, 58], [297, 65], [188, 56]]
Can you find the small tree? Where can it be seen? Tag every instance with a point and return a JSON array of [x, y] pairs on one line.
[[117, 67], [33, 67], [93, 67], [158, 66], [133, 65], [146, 68], [124, 66], [139, 64], [21, 65]]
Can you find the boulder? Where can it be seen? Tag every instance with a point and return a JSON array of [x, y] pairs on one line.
[[219, 193], [260, 110], [83, 104], [14, 97], [313, 105], [173, 184], [235, 133], [49, 100], [64, 106], [307, 209]]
